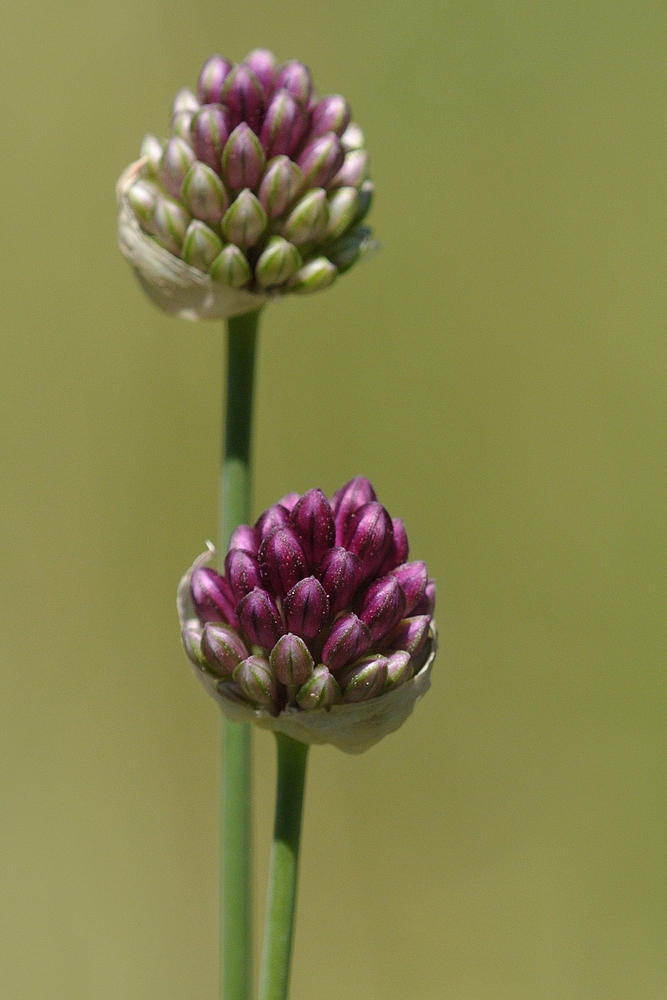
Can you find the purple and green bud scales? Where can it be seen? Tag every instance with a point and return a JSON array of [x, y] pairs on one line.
[[254, 155]]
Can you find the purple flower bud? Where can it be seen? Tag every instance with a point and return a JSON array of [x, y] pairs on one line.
[[212, 597], [210, 130], [243, 159], [353, 171], [282, 559], [284, 125], [398, 550], [289, 501], [244, 223], [231, 268], [313, 276], [413, 578], [246, 538], [222, 648], [365, 680], [243, 95], [306, 607], [177, 159], [410, 634], [203, 195], [349, 639], [314, 524], [242, 572], [264, 65], [277, 263], [321, 160], [185, 100], [308, 219], [169, 225], [426, 606], [280, 185], [259, 618], [339, 573], [232, 691], [369, 533], [319, 691], [273, 517], [343, 209], [382, 606], [211, 79], [290, 660], [295, 77], [201, 245], [347, 499], [332, 114], [399, 670], [256, 680]]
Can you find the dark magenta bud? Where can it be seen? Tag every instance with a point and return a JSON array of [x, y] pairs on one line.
[[339, 573], [365, 680], [291, 661], [222, 648], [212, 596], [349, 639], [210, 130], [211, 79], [399, 670], [413, 578], [242, 572], [284, 125], [273, 517], [280, 185], [243, 159], [290, 500], [176, 161], [426, 605], [321, 160], [243, 96], [369, 535], [319, 691], [382, 606], [314, 524], [410, 634], [295, 77], [259, 618], [306, 607], [282, 560], [347, 499], [332, 114], [256, 680], [246, 538], [398, 550], [264, 65]]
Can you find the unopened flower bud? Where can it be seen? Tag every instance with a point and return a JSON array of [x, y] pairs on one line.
[[242, 572], [382, 606], [201, 245], [349, 498], [410, 634], [273, 517], [192, 637], [243, 96], [306, 607], [295, 77], [352, 137], [349, 639], [151, 149], [245, 221], [343, 210], [366, 192], [211, 79], [289, 501], [246, 538], [291, 661], [413, 577], [180, 126], [321, 160], [369, 535], [353, 170], [231, 268], [177, 159], [313, 277], [212, 597], [313, 522], [399, 670], [264, 65], [365, 680], [319, 691], [169, 225], [277, 262], [332, 114], [243, 159], [280, 185], [185, 100], [209, 129], [350, 248], [222, 648], [143, 197], [203, 194], [397, 553], [255, 678], [339, 573], [282, 559], [426, 605], [259, 618], [284, 125], [308, 219]]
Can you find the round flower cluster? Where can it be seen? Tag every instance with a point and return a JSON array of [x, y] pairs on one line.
[[261, 185], [317, 607]]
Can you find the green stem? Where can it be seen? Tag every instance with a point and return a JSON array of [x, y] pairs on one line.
[[292, 760], [234, 509]]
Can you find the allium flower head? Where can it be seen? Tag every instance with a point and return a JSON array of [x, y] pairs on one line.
[[260, 190], [319, 627]]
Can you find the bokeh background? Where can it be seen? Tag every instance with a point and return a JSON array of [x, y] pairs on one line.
[[498, 371]]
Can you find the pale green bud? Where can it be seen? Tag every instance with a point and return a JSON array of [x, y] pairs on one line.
[[143, 196], [203, 194], [278, 262], [185, 100], [308, 219], [320, 690], [245, 221], [201, 245], [151, 149], [343, 210], [351, 247], [352, 137], [170, 223], [366, 192], [313, 276], [180, 126], [231, 268]]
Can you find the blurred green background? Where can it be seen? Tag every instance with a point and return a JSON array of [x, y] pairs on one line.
[[498, 371]]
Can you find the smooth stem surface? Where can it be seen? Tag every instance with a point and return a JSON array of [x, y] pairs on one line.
[[276, 961], [236, 825]]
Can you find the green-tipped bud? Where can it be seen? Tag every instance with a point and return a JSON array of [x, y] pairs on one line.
[[201, 245], [151, 149], [314, 276], [366, 679], [308, 219], [243, 159], [203, 194], [343, 210], [352, 137], [185, 100], [280, 185], [231, 268], [290, 660], [245, 221], [176, 161], [351, 247], [256, 680], [170, 223], [278, 262], [399, 669], [366, 192], [180, 126], [319, 691], [143, 196]]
